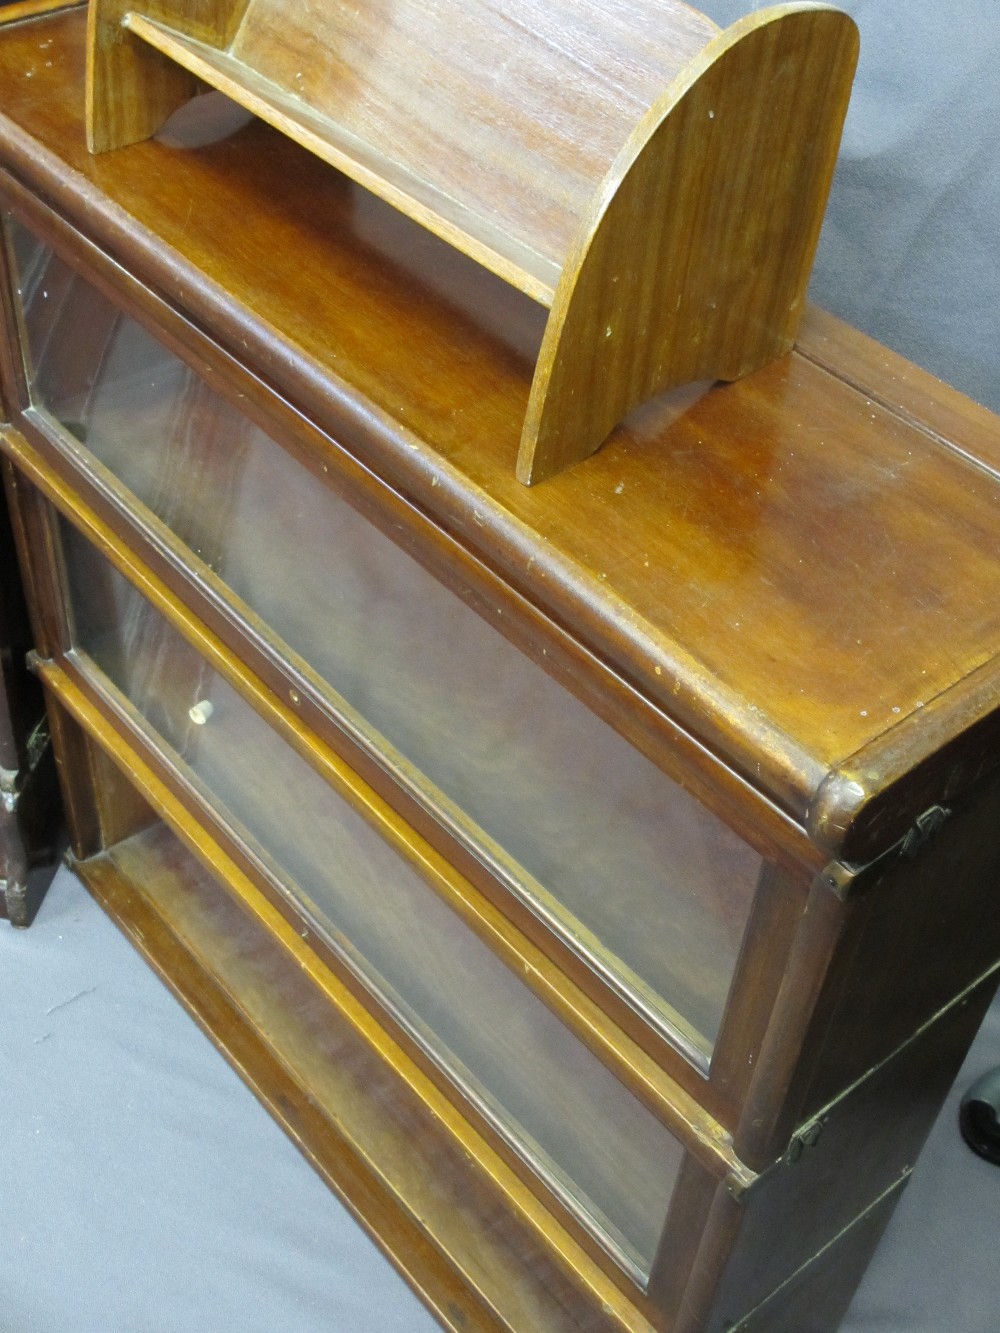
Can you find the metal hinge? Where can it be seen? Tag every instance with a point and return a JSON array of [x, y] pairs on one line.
[[846, 880], [924, 828], [806, 1137]]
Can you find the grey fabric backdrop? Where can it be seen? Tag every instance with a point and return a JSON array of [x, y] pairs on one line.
[[910, 251], [141, 1188]]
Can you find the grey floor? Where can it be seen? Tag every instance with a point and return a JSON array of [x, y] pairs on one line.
[[141, 1185], [142, 1188]]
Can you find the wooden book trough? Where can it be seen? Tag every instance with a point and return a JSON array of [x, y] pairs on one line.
[[656, 183]]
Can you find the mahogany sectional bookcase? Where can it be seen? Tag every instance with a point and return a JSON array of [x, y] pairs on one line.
[[596, 879]]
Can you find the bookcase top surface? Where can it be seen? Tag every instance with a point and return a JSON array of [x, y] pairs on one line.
[[801, 568]]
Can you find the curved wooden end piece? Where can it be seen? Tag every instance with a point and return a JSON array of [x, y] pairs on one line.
[[131, 88], [694, 260]]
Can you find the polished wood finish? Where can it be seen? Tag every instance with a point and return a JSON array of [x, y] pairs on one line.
[[13, 11], [845, 1168], [848, 1156], [117, 68], [316, 1000], [700, 585], [659, 186], [695, 262], [817, 1297], [503, 159], [368, 1122], [875, 998], [771, 1222], [648, 1081], [706, 539]]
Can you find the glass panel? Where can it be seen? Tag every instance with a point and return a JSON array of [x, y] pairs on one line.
[[634, 874], [603, 1152]]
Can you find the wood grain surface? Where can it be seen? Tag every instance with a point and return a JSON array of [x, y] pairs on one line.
[[13, 11], [693, 261], [366, 1118], [524, 1230], [491, 127], [400, 660], [649, 1082], [661, 187], [787, 567], [797, 572]]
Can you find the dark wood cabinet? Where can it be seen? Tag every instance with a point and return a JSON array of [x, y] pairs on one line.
[[595, 880], [29, 803]]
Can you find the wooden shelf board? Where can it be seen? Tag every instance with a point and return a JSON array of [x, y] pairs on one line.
[[482, 240], [29, 9], [495, 130], [344, 1104]]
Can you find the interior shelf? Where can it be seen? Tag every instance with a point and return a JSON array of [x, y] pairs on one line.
[[394, 1151]]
